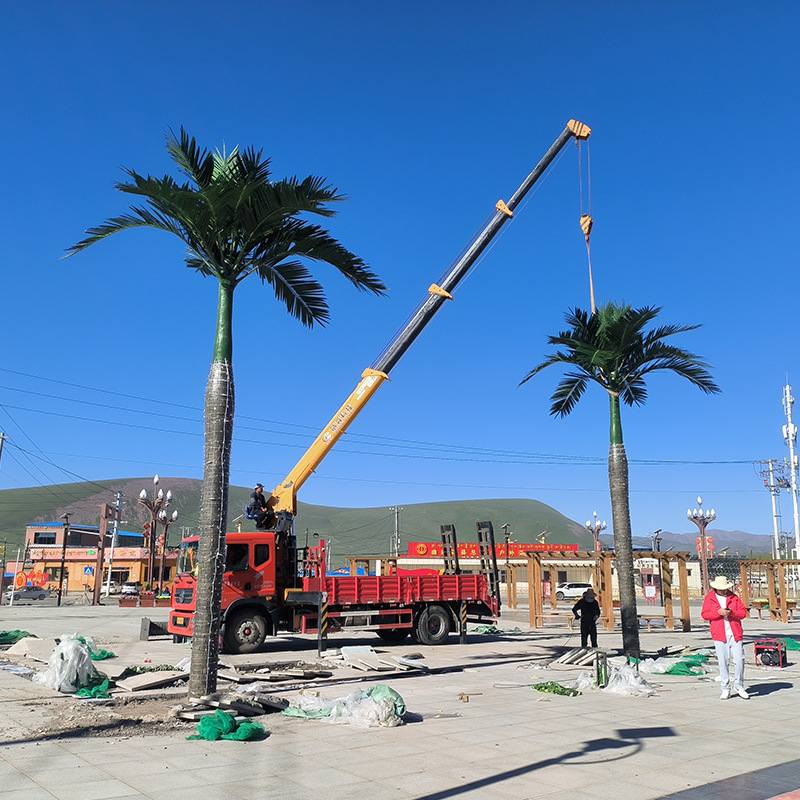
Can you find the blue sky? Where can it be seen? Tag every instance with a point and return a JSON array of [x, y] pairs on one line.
[[424, 114]]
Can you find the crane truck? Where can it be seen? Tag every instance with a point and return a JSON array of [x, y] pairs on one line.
[[271, 586]]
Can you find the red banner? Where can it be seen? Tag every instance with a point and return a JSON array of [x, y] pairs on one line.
[[470, 549]]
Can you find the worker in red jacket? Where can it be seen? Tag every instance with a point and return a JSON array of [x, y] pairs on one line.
[[725, 611]]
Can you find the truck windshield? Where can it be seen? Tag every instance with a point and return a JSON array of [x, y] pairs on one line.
[[187, 559]]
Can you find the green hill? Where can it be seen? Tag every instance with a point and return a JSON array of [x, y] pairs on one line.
[[350, 531]]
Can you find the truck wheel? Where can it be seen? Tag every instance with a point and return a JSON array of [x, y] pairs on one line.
[[245, 631], [433, 625], [393, 634]]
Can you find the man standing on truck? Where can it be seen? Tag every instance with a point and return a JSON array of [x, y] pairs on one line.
[[257, 508]]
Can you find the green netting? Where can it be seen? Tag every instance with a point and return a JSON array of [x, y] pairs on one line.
[[551, 687], [223, 726], [791, 644], [98, 690], [493, 629], [96, 653], [12, 637]]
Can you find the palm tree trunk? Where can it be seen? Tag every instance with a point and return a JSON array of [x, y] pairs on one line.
[[219, 408], [623, 543]]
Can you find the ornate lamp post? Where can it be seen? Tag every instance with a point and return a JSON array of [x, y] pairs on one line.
[[594, 528], [165, 523], [154, 506], [702, 519]]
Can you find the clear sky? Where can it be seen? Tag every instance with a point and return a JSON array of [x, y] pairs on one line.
[[424, 114]]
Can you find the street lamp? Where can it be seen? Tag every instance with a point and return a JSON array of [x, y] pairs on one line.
[[507, 534], [594, 528], [655, 540], [702, 519], [154, 506], [165, 523]]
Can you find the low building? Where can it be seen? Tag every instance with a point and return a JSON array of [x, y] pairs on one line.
[[45, 547]]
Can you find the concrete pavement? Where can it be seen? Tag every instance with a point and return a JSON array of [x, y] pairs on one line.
[[508, 741]]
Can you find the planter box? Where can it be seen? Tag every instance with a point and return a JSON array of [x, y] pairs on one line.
[[163, 602], [147, 599], [130, 601]]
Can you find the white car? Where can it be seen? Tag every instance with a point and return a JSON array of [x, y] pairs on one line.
[[571, 591]]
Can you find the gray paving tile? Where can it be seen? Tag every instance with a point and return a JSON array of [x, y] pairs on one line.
[[37, 793]]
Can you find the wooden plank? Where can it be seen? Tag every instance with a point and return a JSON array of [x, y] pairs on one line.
[[150, 680]]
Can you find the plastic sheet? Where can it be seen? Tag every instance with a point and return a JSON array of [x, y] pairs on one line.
[[625, 680], [70, 666], [681, 665], [378, 706]]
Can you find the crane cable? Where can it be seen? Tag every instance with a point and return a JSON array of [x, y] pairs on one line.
[[586, 220]]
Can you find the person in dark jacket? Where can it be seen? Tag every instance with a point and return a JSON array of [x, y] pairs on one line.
[[589, 610], [258, 509]]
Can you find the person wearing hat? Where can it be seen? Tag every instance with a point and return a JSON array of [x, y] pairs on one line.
[[258, 509], [725, 612], [589, 610]]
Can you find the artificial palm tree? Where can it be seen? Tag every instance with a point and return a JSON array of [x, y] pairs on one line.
[[235, 221], [611, 348]]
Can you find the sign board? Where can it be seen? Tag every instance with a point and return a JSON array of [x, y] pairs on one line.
[[471, 549], [88, 570]]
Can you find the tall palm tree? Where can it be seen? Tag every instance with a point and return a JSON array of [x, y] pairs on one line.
[[235, 221], [611, 348]]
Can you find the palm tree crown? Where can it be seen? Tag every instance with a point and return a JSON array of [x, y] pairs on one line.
[[612, 349], [236, 221]]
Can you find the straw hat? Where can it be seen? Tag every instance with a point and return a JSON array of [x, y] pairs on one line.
[[721, 583]]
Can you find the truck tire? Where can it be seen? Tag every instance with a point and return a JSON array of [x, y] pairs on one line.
[[245, 631], [393, 634], [433, 625]]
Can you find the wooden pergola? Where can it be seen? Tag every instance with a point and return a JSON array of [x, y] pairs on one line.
[[600, 564], [775, 570]]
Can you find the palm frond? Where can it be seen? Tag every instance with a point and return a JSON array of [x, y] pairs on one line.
[[569, 390]]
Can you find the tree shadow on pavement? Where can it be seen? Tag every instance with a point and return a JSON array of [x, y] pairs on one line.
[[601, 750]]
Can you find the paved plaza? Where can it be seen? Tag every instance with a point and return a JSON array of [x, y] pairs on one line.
[[507, 741]]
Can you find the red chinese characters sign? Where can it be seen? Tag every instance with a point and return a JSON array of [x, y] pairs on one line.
[[470, 549]]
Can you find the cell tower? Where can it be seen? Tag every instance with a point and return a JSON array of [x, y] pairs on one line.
[[790, 438]]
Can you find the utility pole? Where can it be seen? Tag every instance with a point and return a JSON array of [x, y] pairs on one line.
[[775, 480], [65, 534], [3, 437], [114, 534], [790, 438], [394, 543]]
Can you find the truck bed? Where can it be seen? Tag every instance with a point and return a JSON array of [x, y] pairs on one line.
[[405, 589]]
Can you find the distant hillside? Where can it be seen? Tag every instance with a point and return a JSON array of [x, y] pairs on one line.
[[350, 531], [737, 542]]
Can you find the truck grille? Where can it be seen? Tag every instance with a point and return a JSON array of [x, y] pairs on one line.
[[184, 597]]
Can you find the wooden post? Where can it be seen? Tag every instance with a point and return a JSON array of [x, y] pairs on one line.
[[782, 587], [745, 584], [608, 592], [666, 590], [772, 594], [683, 583]]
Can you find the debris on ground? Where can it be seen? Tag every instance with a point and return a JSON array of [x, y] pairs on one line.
[[553, 687], [378, 706], [70, 667], [225, 726], [12, 637], [625, 680], [683, 665]]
